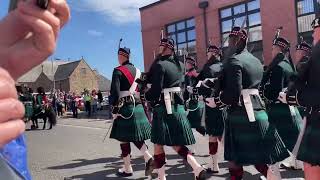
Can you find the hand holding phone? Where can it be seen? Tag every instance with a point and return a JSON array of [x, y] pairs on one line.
[[43, 4]]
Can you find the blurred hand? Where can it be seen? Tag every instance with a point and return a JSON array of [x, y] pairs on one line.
[[28, 35], [11, 110]]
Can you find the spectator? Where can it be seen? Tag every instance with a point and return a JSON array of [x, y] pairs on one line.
[[29, 103], [94, 101], [100, 97], [87, 99], [60, 104], [54, 100], [74, 105]]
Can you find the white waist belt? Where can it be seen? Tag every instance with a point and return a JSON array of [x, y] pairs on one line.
[[125, 94], [167, 97], [248, 103], [128, 94]]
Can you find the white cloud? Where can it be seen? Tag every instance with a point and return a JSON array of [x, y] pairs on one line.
[[95, 33], [119, 11]]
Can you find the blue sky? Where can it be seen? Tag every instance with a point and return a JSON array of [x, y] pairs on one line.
[[95, 29]]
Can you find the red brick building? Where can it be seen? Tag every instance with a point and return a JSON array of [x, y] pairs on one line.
[[192, 23]]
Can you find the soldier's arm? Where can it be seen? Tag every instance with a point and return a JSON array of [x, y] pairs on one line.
[[233, 84], [309, 97], [154, 92], [186, 84], [272, 90], [115, 87]]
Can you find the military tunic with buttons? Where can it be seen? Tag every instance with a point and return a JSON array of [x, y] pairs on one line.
[[213, 116], [168, 129], [288, 123], [247, 143], [193, 105], [131, 125], [306, 93]]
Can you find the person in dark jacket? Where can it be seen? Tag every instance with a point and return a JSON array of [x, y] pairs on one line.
[[304, 91], [194, 105], [213, 116], [287, 119], [130, 123], [249, 137], [170, 126]]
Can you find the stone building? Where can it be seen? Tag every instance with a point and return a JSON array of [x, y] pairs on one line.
[[67, 76]]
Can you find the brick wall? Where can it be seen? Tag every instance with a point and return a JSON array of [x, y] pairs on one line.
[[155, 18]]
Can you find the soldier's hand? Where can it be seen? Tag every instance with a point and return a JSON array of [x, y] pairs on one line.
[[11, 110], [283, 97], [28, 35], [210, 102]]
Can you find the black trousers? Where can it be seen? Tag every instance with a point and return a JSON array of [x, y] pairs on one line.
[[45, 122], [88, 107]]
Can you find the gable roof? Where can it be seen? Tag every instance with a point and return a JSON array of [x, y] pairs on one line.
[[151, 5], [49, 68], [65, 70], [104, 84]]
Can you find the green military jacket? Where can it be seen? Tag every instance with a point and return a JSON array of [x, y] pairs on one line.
[[166, 73], [277, 77], [241, 71], [120, 82]]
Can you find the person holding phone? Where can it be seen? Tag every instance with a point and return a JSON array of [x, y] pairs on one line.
[[28, 32]]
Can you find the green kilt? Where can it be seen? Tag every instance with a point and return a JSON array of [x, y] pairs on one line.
[[248, 143], [288, 127], [28, 110], [310, 145], [135, 129], [195, 113], [214, 121], [171, 129]]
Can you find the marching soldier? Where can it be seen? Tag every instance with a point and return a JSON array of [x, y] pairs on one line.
[[249, 137], [130, 123], [287, 119], [170, 126], [302, 56], [305, 92], [213, 116], [193, 104]]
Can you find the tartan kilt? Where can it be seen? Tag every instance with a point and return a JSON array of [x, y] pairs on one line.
[[310, 145], [28, 110], [288, 127], [171, 129], [195, 113], [135, 129], [249, 143], [214, 122]]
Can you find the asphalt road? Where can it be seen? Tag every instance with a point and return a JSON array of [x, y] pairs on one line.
[[74, 149]]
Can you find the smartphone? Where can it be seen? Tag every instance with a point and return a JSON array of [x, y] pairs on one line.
[[41, 3]]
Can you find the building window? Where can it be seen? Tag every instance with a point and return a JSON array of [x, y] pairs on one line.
[[305, 15], [184, 35], [247, 15], [83, 71]]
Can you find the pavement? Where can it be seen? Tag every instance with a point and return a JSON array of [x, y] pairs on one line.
[[74, 149]]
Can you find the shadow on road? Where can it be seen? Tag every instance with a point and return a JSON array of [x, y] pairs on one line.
[[179, 171]]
